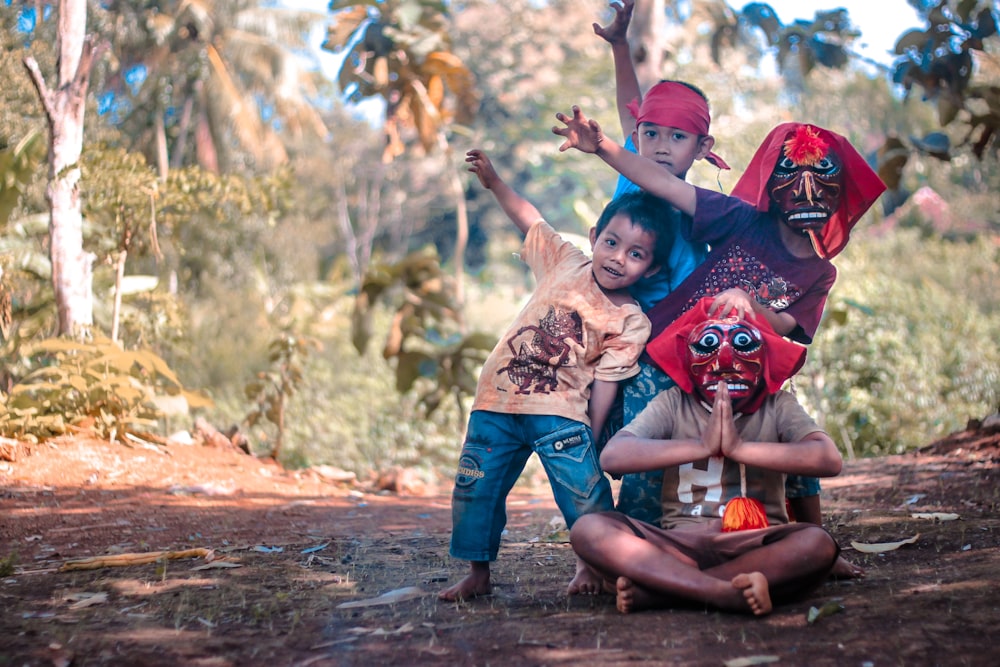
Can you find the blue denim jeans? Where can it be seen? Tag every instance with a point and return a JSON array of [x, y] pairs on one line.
[[497, 447]]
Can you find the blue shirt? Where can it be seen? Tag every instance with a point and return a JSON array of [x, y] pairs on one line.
[[685, 256]]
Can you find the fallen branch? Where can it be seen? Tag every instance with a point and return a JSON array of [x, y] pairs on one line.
[[124, 560]]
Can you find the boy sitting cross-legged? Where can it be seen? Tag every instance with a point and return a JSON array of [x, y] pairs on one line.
[[725, 437]]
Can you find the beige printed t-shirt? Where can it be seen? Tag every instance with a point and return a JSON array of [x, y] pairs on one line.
[[566, 336]]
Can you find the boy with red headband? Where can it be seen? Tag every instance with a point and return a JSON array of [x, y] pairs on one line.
[[670, 125], [725, 437], [793, 209]]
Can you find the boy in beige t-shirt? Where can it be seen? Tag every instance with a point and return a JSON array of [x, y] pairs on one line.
[[550, 381]]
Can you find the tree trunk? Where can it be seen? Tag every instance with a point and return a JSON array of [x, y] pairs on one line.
[[72, 267], [649, 21]]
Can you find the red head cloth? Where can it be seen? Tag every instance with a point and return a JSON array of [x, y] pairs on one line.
[[673, 104], [861, 188], [782, 357]]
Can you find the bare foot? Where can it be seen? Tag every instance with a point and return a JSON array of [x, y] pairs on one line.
[[632, 597], [473, 585], [755, 591], [625, 600], [844, 569], [585, 581]]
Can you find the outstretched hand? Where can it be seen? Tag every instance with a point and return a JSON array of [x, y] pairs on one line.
[[480, 165], [580, 133], [617, 31]]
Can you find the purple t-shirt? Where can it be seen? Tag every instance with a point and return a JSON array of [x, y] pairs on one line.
[[747, 252]]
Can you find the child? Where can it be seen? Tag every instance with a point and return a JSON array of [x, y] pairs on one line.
[[669, 125], [638, 490], [550, 381], [725, 437], [769, 258]]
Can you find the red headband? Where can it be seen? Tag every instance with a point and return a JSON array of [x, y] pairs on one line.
[[673, 104], [782, 357], [862, 186]]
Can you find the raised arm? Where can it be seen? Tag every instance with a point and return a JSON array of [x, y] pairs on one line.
[[522, 212], [626, 81], [586, 136]]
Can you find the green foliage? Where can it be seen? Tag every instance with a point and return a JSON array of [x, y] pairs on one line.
[[347, 411], [272, 388], [7, 564], [121, 201], [18, 166], [400, 50], [425, 335], [907, 351], [93, 385], [215, 227]]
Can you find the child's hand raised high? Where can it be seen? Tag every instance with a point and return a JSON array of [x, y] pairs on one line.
[[480, 165], [581, 134], [617, 31]]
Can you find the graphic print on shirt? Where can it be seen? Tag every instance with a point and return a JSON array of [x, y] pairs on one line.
[[737, 268], [703, 487], [539, 351]]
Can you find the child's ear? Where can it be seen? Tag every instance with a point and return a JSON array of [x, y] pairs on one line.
[[593, 237], [705, 147], [652, 271]]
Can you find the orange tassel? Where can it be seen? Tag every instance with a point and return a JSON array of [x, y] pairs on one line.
[[743, 514]]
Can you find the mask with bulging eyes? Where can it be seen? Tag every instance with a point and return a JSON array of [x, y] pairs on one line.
[[806, 185], [731, 350]]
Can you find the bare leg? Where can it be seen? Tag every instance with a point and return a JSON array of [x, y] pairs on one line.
[[845, 569], [650, 574], [809, 510], [756, 596], [586, 581], [661, 576], [474, 584]]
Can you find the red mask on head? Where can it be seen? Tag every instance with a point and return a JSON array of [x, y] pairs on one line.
[[730, 350], [805, 185], [697, 351], [859, 185]]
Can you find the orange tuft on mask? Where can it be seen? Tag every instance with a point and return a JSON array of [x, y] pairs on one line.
[[806, 147]]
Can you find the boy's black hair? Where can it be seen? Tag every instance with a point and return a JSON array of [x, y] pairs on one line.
[[649, 213], [693, 87]]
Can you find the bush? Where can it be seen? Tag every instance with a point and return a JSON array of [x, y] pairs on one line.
[[907, 351]]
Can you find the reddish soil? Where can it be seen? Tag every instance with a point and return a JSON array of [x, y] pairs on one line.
[[305, 546]]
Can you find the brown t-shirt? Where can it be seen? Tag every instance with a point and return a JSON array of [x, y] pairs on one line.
[[701, 489], [566, 336]]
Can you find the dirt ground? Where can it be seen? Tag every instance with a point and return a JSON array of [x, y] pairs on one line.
[[298, 564]]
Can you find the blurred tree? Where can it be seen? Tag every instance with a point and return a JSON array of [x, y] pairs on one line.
[[400, 51], [206, 82], [64, 110]]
